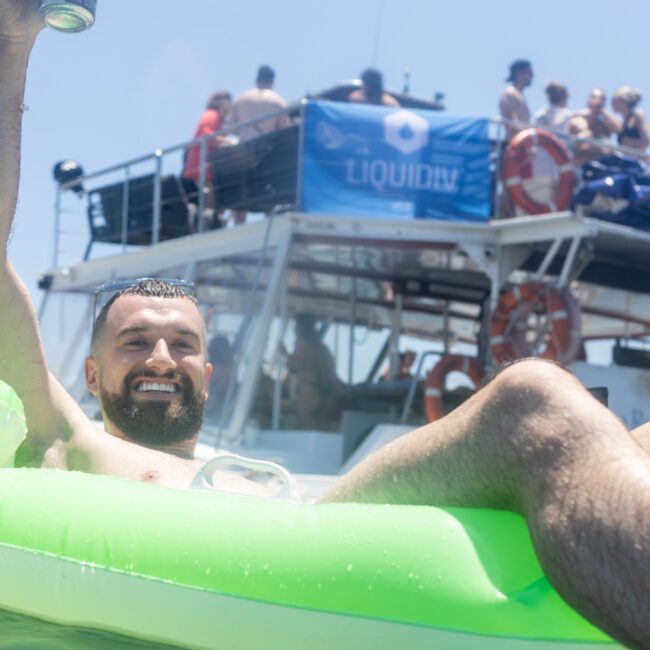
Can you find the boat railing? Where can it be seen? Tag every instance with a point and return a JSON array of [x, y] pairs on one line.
[[146, 200], [167, 191]]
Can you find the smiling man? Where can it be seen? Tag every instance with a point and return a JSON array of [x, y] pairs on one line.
[[533, 441], [148, 366]]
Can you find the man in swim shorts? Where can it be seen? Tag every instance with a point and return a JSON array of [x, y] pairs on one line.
[[532, 441]]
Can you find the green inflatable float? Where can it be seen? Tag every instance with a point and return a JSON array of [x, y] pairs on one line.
[[200, 569]]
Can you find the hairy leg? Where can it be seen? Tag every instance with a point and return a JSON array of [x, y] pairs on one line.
[[534, 441]]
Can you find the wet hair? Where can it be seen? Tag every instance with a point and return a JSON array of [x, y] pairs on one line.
[[265, 75], [149, 288], [520, 65], [373, 84], [631, 96], [556, 92], [218, 97]]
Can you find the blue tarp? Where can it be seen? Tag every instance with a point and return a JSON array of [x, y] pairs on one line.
[[377, 161], [616, 189]]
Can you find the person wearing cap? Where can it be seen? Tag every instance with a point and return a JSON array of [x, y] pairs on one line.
[[512, 105], [634, 130]]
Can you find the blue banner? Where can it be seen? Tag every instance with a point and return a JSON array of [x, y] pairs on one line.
[[378, 161]]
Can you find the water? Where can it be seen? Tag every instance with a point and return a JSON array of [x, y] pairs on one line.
[[18, 632]]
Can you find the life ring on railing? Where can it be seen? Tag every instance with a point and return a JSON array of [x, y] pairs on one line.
[[517, 157], [558, 340], [435, 383]]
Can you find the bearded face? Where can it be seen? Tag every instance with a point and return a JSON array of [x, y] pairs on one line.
[[154, 422]]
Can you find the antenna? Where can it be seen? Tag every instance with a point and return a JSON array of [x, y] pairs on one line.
[[375, 48]]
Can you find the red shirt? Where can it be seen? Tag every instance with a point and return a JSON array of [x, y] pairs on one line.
[[210, 122]]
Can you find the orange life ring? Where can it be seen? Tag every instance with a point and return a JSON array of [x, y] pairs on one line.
[[517, 160], [435, 383], [508, 328]]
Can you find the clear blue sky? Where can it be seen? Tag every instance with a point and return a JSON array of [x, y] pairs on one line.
[[139, 79]]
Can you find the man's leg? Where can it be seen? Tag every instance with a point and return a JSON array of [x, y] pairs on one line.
[[534, 441]]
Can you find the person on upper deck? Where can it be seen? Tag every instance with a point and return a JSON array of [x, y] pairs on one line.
[[556, 115], [512, 104], [257, 102], [634, 131], [372, 91], [250, 107], [601, 123], [210, 122]]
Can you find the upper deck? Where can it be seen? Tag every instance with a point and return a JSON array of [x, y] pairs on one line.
[[417, 266]]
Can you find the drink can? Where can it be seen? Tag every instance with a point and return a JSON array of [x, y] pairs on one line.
[[68, 15]]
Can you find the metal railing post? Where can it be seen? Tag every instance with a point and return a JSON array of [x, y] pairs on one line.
[[408, 402], [301, 147], [57, 227], [353, 321], [203, 155], [125, 208], [157, 198], [498, 185]]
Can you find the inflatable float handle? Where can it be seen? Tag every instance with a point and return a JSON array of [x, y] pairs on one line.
[[203, 478]]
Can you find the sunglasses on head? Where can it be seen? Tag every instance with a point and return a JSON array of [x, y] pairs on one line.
[[105, 292]]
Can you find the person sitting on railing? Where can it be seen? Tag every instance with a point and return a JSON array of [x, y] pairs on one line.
[[253, 104], [634, 131], [512, 104], [556, 115], [211, 121], [372, 91]]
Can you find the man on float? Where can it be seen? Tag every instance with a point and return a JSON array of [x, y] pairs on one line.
[[532, 441]]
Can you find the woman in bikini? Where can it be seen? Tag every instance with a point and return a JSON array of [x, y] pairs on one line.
[[634, 132]]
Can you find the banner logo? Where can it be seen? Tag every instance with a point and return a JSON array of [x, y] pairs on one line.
[[406, 131]]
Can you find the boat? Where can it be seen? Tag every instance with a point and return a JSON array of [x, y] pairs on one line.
[[415, 265]]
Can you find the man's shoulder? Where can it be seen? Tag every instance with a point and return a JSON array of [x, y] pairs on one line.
[[271, 97], [247, 95], [357, 96], [512, 93]]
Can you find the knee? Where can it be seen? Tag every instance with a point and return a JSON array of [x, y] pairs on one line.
[[538, 408], [532, 384]]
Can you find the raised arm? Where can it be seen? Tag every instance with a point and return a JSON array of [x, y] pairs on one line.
[[50, 412]]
